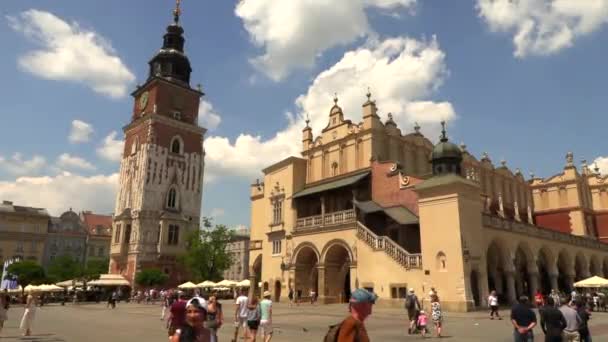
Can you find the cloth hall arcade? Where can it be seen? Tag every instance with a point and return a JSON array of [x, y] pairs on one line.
[[367, 205]]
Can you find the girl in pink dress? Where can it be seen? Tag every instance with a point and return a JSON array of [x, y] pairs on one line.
[[421, 323]]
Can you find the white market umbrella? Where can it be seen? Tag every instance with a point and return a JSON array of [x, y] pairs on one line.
[[68, 283], [188, 285], [244, 283], [16, 290], [594, 281], [31, 288], [206, 283], [110, 280], [226, 283]]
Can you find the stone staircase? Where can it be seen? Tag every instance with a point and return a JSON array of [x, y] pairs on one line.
[[389, 247]]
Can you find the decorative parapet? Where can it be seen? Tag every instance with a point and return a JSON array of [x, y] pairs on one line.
[[255, 244], [499, 223]]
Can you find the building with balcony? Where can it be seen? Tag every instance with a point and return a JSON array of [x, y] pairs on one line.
[[99, 235], [238, 249], [23, 232], [67, 235], [367, 205]]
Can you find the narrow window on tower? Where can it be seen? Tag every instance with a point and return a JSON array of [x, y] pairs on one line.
[[117, 234], [277, 211], [173, 237], [176, 145], [172, 199]]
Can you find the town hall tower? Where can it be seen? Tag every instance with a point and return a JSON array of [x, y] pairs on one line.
[[161, 173]]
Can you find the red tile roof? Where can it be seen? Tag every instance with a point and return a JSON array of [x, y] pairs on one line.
[[92, 221]]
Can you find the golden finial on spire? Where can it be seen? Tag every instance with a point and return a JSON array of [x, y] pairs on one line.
[[369, 94], [336, 99], [177, 11]]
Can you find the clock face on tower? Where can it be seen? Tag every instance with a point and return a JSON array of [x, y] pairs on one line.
[[143, 100]]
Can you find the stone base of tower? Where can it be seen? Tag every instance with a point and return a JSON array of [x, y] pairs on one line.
[[129, 266]]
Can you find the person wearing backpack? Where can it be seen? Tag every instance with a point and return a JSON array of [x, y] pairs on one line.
[[352, 329], [412, 305]]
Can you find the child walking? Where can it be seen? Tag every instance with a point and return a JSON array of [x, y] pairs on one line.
[[422, 322]]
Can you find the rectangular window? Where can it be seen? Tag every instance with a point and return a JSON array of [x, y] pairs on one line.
[[33, 246], [100, 252], [173, 237], [276, 247], [91, 251], [117, 234], [19, 248], [128, 234], [277, 211]]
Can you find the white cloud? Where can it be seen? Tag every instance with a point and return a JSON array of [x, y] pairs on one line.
[[16, 165], [207, 116], [59, 193], [69, 53], [543, 27], [401, 72], [294, 33], [111, 148], [216, 212], [602, 163], [80, 132], [66, 161]]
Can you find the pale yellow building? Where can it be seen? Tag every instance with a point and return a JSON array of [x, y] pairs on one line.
[[23, 232], [367, 205]]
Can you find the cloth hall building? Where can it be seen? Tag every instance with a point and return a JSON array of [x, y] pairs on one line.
[[367, 205]]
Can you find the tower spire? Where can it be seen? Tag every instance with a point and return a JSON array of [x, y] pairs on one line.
[[444, 136], [177, 11]]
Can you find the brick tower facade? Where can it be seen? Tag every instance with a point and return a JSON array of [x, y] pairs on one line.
[[161, 173]]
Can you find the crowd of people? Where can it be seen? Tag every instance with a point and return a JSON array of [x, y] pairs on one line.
[[562, 318], [198, 319]]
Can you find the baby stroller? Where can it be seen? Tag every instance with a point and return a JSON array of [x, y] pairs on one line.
[[419, 328]]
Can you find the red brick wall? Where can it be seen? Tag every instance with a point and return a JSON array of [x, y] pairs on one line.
[[164, 95], [559, 221], [386, 190], [601, 223]]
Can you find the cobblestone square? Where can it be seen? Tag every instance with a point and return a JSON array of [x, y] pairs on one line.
[[133, 322]]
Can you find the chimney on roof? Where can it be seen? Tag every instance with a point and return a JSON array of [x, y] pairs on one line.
[[7, 202]]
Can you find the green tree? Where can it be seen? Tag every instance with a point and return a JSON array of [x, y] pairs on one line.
[[206, 257], [27, 272], [95, 268], [64, 267], [151, 277]]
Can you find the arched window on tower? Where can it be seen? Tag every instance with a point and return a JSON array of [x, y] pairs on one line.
[[134, 145], [172, 199], [177, 145]]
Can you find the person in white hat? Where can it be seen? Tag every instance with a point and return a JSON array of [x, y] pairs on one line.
[[266, 317]]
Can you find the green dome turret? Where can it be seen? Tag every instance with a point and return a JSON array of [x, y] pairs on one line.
[[446, 156]]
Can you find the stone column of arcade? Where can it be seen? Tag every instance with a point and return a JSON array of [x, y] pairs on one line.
[[570, 281], [252, 282], [534, 278], [484, 290], [511, 294], [553, 280], [321, 288]]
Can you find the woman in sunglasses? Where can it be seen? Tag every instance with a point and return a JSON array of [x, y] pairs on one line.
[[193, 330]]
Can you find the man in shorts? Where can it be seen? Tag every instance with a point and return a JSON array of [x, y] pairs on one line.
[[240, 314], [266, 317], [412, 305]]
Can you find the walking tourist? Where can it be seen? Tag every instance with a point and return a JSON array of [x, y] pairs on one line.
[[596, 302], [412, 305], [352, 329], [4, 303], [585, 315], [556, 298], [253, 319], [523, 320], [215, 317], [493, 304], [552, 321], [165, 304], [177, 314], [27, 321], [573, 322], [112, 299], [240, 314], [290, 296], [538, 299], [436, 314], [422, 323], [192, 330], [266, 317]]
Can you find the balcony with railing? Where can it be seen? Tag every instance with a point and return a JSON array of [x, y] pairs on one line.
[[329, 219]]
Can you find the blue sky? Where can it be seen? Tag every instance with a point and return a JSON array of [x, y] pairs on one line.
[[524, 81]]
